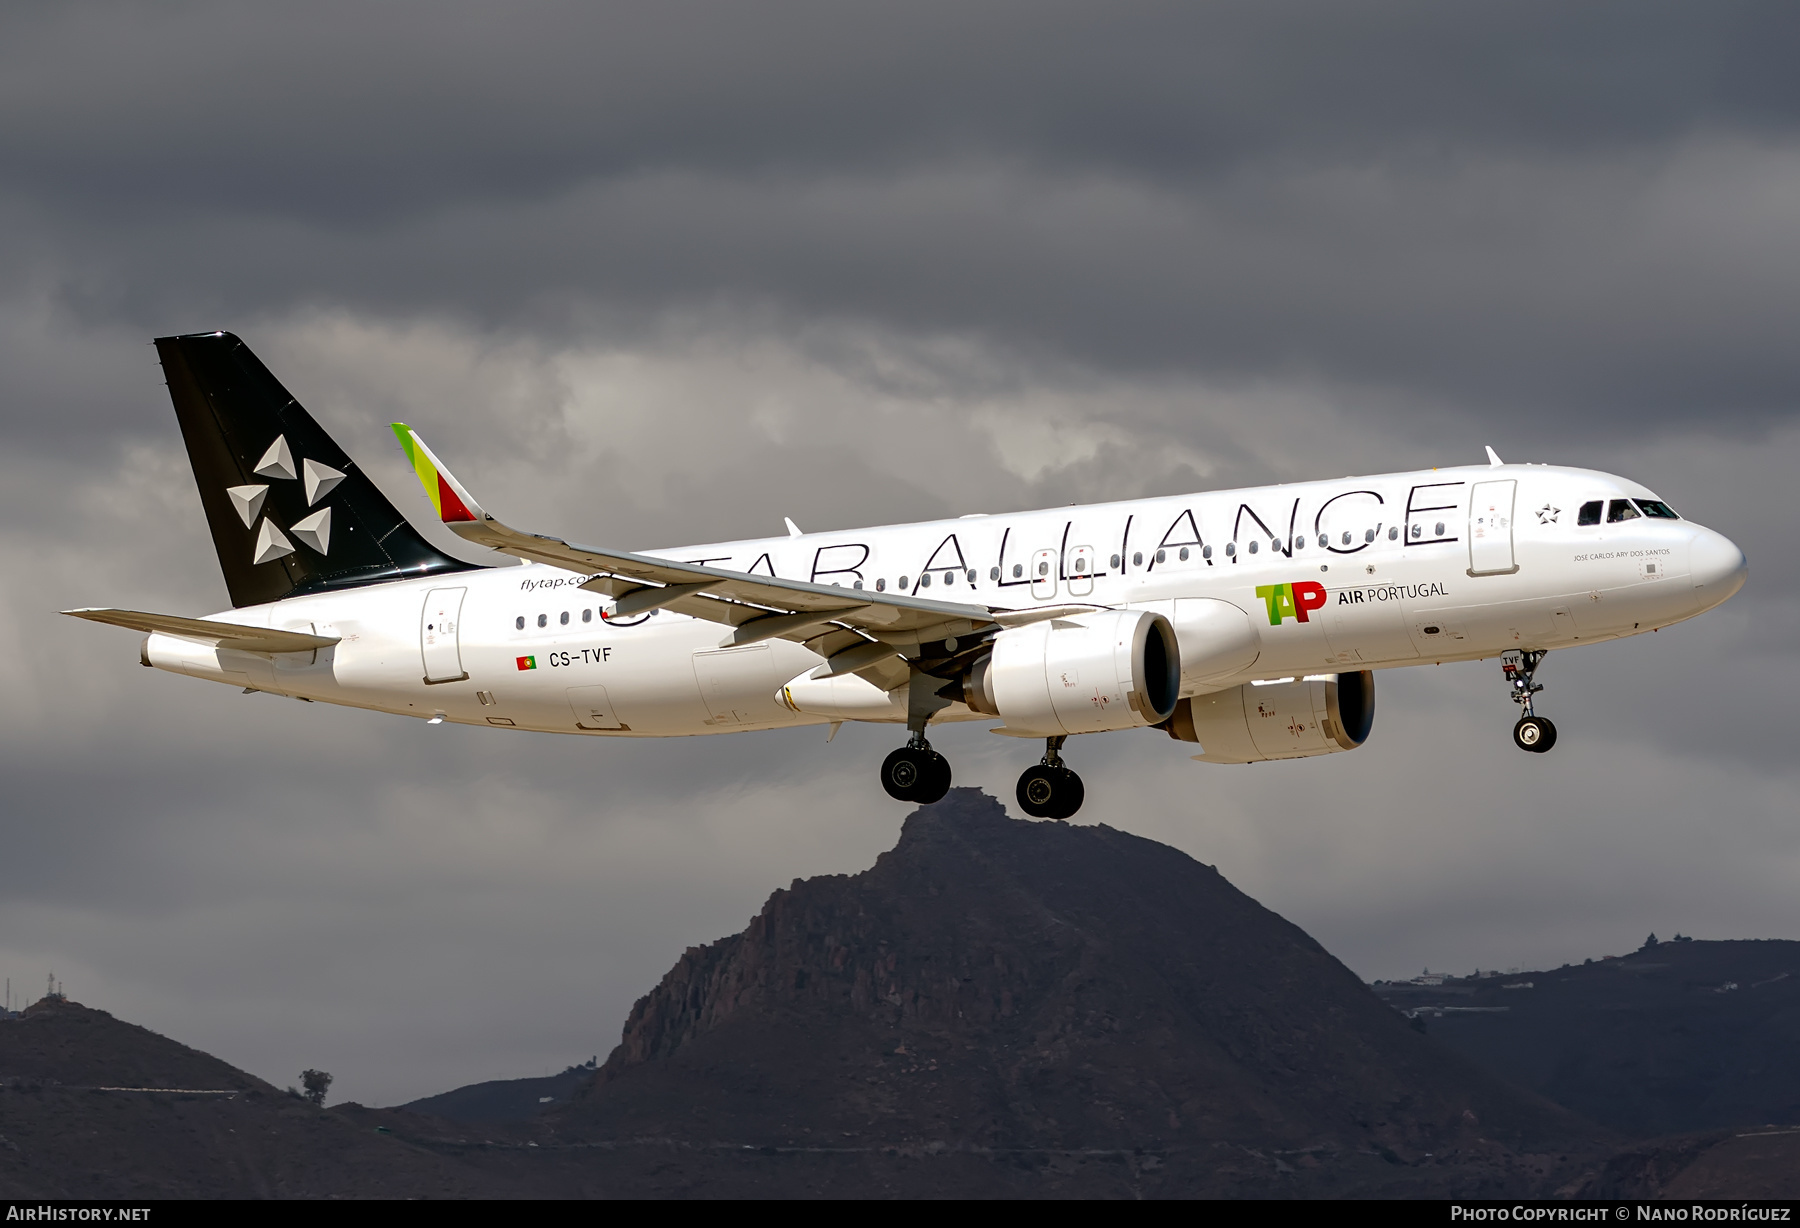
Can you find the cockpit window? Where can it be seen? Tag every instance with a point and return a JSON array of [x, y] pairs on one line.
[[1621, 509], [1656, 509], [1590, 512]]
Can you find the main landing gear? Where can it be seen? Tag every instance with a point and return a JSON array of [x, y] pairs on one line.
[[916, 773], [1533, 732], [1049, 790]]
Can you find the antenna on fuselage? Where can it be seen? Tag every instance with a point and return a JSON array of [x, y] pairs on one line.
[[1494, 461]]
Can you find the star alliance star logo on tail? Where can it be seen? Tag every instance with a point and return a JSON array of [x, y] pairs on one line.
[[1295, 601]]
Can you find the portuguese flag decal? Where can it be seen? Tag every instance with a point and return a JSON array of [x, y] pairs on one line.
[[527, 662]]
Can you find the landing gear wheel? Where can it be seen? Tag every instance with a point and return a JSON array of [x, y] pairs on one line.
[[916, 774], [1050, 791], [1534, 733]]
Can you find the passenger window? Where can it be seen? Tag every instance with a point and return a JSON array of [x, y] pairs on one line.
[[1137, 560], [519, 623], [1252, 550], [993, 573], [1657, 509], [1043, 569], [925, 580], [587, 616], [1162, 556], [1018, 570], [1590, 513], [543, 620], [1184, 554], [1115, 562], [564, 620], [1206, 552], [902, 582], [1394, 533], [1621, 509], [881, 586]]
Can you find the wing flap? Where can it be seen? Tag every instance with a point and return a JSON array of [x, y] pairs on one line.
[[729, 597]]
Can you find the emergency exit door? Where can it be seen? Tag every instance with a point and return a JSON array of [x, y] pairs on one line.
[[1491, 528]]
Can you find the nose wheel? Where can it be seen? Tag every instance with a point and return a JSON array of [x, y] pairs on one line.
[[916, 773], [1533, 732], [1050, 790]]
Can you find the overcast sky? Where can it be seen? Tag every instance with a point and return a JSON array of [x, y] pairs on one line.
[[668, 272]]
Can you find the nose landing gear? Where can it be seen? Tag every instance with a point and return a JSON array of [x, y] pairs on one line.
[[1532, 732], [1049, 790]]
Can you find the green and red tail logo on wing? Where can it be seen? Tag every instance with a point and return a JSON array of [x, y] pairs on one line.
[[1294, 601]]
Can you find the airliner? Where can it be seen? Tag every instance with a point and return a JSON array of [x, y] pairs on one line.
[[1246, 623]]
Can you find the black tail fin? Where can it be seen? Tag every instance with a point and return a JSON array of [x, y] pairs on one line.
[[290, 512]]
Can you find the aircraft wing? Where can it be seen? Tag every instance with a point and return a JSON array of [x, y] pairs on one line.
[[225, 635], [847, 625]]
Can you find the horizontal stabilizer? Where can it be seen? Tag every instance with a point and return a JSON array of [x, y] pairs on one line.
[[206, 631]]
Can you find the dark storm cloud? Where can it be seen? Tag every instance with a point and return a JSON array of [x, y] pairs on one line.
[[357, 111], [1444, 210]]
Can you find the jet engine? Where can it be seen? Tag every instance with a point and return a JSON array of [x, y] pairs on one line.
[[1289, 719], [1111, 669]]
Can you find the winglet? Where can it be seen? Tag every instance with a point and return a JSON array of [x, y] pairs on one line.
[[453, 504], [1494, 461]]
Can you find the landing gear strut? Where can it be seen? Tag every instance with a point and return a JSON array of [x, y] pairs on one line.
[[1533, 732], [915, 772], [1049, 790]]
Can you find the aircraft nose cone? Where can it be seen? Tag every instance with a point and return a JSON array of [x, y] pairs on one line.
[[1718, 567]]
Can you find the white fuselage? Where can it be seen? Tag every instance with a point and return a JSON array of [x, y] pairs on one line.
[[1439, 565]]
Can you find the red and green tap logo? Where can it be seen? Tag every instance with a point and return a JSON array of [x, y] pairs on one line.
[[1294, 601]]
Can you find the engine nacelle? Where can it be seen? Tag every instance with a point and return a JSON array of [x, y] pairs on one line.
[[1283, 720], [1112, 669], [1218, 640]]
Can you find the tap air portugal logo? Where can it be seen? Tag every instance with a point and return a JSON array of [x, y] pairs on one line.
[[1295, 601], [444, 497], [313, 531]]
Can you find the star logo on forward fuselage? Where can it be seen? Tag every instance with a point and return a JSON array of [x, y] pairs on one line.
[[1547, 514]]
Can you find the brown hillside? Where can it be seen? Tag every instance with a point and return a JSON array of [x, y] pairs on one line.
[[63, 1136], [1001, 988]]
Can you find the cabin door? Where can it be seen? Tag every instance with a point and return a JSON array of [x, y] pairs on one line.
[[439, 633], [1491, 528]]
